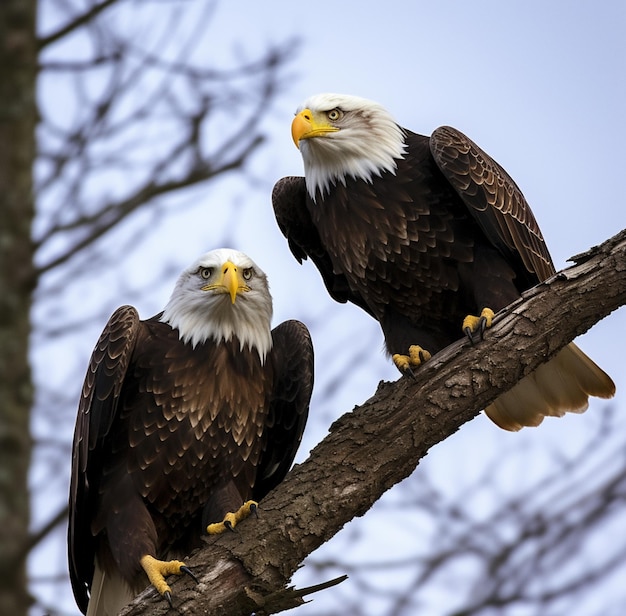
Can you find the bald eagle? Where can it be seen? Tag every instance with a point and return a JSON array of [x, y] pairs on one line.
[[429, 235], [185, 420]]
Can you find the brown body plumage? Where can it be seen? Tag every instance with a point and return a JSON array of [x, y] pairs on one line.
[[435, 231], [412, 251], [171, 436]]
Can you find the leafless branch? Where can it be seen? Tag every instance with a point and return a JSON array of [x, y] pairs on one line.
[[76, 22]]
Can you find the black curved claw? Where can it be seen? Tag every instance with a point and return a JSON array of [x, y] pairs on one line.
[[470, 335], [254, 509], [168, 597], [229, 525], [408, 371], [189, 572], [482, 327]]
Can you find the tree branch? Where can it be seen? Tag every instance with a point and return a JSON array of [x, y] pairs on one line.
[[76, 22], [109, 216], [381, 442]]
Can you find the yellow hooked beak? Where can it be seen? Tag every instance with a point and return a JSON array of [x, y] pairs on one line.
[[305, 125], [229, 281]]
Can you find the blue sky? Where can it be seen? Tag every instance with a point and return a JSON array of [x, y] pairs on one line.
[[541, 86]]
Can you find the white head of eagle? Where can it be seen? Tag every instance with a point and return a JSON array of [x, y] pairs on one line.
[[355, 137], [222, 295]]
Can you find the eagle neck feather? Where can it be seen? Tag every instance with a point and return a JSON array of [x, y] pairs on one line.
[[220, 321], [366, 151]]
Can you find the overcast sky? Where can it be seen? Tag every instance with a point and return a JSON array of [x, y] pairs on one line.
[[541, 86]]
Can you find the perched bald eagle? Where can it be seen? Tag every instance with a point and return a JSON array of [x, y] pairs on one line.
[[423, 233], [185, 420]]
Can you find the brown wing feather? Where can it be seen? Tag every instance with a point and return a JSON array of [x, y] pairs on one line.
[[493, 198], [96, 413], [289, 198], [292, 359]]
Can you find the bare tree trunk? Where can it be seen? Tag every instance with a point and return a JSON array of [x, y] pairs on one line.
[[381, 442], [17, 151]]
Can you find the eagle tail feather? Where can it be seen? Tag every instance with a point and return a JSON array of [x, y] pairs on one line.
[[109, 593], [559, 386]]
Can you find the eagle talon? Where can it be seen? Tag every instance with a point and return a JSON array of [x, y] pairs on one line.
[[403, 364], [168, 597], [416, 357], [186, 570], [232, 519], [156, 570], [475, 327]]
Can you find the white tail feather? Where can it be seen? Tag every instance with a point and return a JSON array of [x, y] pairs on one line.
[[561, 385], [109, 593]]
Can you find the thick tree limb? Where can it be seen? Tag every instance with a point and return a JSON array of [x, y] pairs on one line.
[[381, 442], [18, 121]]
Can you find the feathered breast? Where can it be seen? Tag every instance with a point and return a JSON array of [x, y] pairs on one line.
[[193, 417], [399, 238]]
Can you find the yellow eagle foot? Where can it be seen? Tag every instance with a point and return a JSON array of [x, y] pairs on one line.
[[477, 325], [416, 357], [232, 519], [156, 570]]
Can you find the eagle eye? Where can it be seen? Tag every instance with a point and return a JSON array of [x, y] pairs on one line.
[[205, 272], [247, 273], [334, 114]]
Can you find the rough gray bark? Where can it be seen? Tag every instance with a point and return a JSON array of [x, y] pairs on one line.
[[17, 152], [381, 442]]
